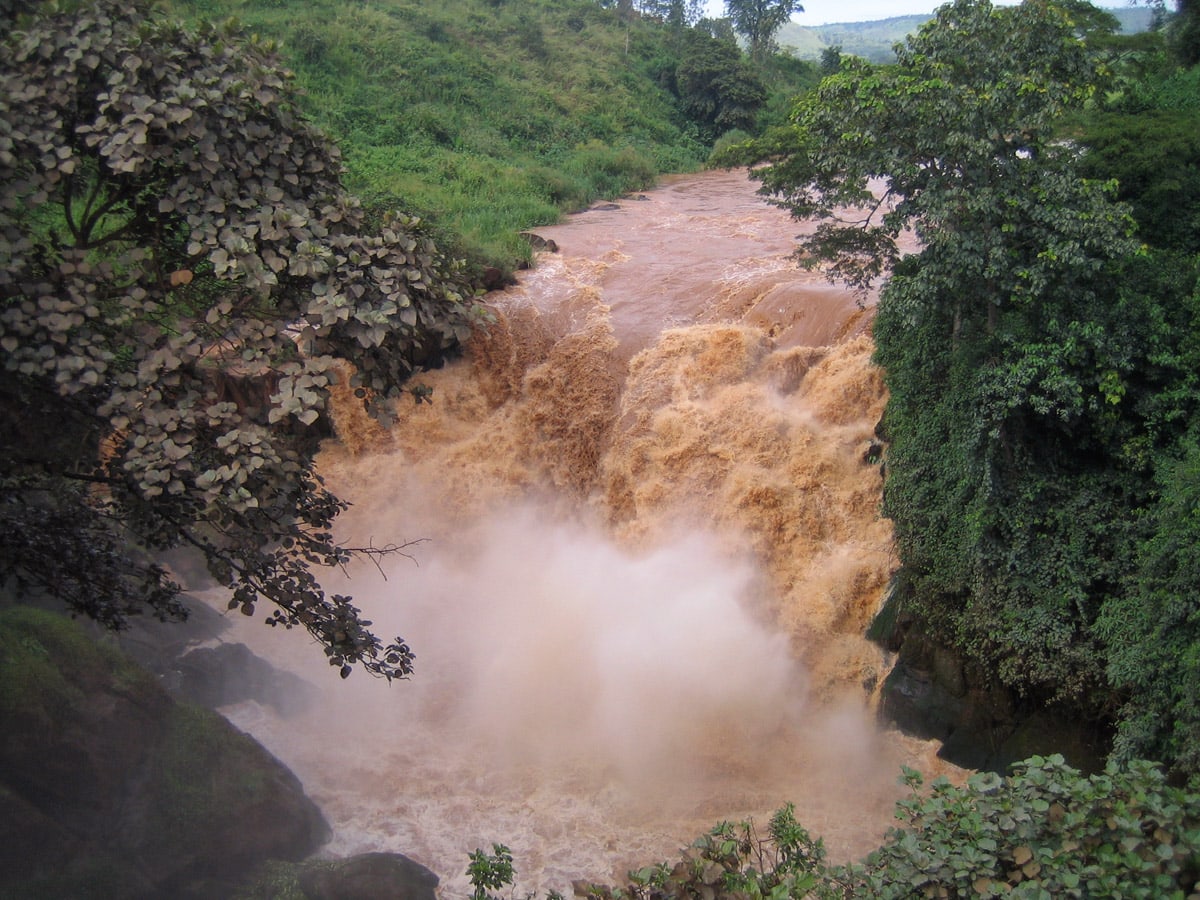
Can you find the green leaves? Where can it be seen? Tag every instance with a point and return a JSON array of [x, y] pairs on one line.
[[1016, 340], [940, 142], [182, 273], [759, 20], [488, 871]]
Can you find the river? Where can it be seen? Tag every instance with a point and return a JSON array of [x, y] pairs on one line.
[[650, 545]]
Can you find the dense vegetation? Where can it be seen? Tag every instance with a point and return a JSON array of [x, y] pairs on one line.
[[170, 223], [1040, 349], [493, 117]]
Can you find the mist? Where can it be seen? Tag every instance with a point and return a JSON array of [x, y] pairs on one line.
[[591, 706]]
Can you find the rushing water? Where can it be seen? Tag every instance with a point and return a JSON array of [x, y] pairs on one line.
[[651, 547]]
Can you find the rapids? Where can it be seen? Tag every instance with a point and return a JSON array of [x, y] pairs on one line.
[[650, 545]]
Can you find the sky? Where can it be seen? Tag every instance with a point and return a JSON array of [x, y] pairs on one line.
[[822, 12]]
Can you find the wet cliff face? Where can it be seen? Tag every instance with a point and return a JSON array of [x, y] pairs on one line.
[[652, 548], [111, 788]]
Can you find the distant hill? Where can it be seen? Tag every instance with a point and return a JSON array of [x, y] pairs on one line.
[[874, 40]]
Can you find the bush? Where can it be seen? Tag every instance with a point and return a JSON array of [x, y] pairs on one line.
[[1044, 831]]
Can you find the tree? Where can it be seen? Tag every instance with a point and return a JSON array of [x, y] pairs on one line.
[[1005, 338], [717, 89], [1183, 30], [1154, 630], [682, 13], [171, 227], [758, 21], [831, 59]]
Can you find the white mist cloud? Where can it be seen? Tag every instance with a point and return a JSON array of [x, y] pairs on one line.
[[565, 646]]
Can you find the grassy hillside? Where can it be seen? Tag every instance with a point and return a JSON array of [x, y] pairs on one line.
[[874, 40], [486, 116]]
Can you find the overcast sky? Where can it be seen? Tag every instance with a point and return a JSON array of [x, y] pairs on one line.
[[822, 12]]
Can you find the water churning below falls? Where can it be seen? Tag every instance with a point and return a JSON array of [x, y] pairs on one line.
[[651, 547]]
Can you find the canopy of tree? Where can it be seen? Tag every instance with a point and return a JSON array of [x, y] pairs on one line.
[[758, 21], [169, 224]]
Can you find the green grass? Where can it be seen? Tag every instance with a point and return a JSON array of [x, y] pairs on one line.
[[485, 116]]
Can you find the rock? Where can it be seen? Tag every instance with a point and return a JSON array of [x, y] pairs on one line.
[[1044, 733], [537, 242], [368, 876], [494, 279], [930, 693], [230, 673], [109, 783], [213, 676], [914, 702]]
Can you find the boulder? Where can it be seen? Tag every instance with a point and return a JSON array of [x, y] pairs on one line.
[[230, 673], [368, 876], [537, 242], [931, 693], [110, 788]]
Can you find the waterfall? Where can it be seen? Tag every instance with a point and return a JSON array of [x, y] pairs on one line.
[[651, 546]]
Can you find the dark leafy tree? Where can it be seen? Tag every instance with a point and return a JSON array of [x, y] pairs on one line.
[[1154, 156], [831, 59], [1009, 368], [717, 89], [758, 21], [685, 12], [1154, 630], [170, 226], [1184, 32]]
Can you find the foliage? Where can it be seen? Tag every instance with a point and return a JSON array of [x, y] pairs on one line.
[[717, 89], [1045, 830], [446, 107], [1154, 629], [970, 105], [1019, 340], [758, 21], [1145, 139], [490, 871], [493, 871], [1154, 156], [446, 110], [171, 228], [1184, 32]]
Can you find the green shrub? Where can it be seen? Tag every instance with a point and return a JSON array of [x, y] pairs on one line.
[[1044, 831]]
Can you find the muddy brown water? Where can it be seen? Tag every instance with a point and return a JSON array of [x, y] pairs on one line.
[[650, 547]]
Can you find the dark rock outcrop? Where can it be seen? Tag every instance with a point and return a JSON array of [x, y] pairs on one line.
[[537, 242], [230, 673], [932, 693], [110, 788], [369, 876]]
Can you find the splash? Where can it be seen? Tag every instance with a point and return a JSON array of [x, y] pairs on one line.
[[653, 547]]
